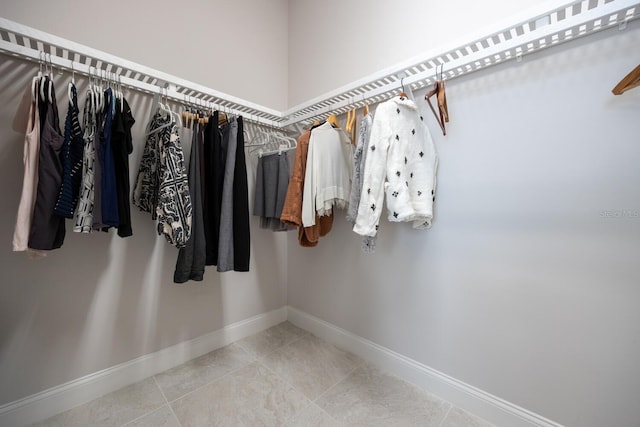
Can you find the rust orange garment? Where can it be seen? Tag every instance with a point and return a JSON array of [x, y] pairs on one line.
[[292, 210]]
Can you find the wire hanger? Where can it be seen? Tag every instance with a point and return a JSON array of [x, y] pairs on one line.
[[45, 81], [36, 79], [403, 94], [72, 85]]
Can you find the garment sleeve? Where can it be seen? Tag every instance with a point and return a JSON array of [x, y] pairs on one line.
[[292, 210], [373, 179], [309, 193]]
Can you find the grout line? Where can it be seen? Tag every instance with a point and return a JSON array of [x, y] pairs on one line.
[[151, 411], [210, 382], [281, 378], [167, 401], [336, 384], [446, 414]]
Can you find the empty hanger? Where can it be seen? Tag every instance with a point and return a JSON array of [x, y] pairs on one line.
[[629, 81], [442, 116]]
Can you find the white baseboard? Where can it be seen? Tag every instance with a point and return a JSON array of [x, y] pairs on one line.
[[58, 399], [491, 408]]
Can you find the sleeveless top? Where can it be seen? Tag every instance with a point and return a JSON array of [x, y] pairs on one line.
[[30, 179], [47, 228]]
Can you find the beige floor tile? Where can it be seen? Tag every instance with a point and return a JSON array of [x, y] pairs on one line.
[[460, 418], [312, 416], [251, 396], [311, 365], [162, 417], [370, 398], [189, 376], [113, 409], [265, 342]]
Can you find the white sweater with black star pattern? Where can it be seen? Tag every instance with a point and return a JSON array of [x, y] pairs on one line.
[[401, 164]]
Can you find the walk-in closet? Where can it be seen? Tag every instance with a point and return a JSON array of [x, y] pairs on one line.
[[320, 213]]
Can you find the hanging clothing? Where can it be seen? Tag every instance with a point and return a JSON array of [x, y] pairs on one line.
[[191, 259], [122, 146], [162, 187], [72, 149], [214, 177], [401, 163], [145, 193], [272, 182], [108, 189], [225, 243], [48, 229], [84, 210], [359, 159], [292, 209], [30, 177], [241, 231], [98, 167], [327, 181]]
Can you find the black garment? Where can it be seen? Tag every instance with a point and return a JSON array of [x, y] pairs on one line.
[[191, 258], [48, 229], [241, 233], [214, 177], [108, 189], [122, 147], [43, 87], [72, 152]]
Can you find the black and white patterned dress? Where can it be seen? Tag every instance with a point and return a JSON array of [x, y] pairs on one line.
[[84, 208], [162, 187]]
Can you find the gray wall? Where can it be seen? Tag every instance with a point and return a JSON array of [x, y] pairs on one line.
[[528, 284], [101, 300]]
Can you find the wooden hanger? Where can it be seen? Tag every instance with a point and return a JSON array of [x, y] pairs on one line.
[[351, 121], [333, 119], [442, 116], [629, 81]]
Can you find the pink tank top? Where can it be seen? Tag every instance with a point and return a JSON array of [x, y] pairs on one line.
[[30, 180]]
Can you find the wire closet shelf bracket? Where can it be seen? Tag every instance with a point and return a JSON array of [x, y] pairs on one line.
[[547, 25]]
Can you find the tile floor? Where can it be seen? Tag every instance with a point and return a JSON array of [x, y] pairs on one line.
[[283, 376]]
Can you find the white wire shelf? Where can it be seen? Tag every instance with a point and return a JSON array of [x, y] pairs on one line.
[[549, 24], [29, 43]]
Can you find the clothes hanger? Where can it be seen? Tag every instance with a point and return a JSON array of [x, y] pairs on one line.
[[350, 111], [183, 112], [72, 84], [403, 94], [629, 81], [46, 81], [175, 117], [43, 79], [352, 121], [333, 120], [121, 93], [91, 90], [50, 87], [36, 79], [365, 111], [442, 116]]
